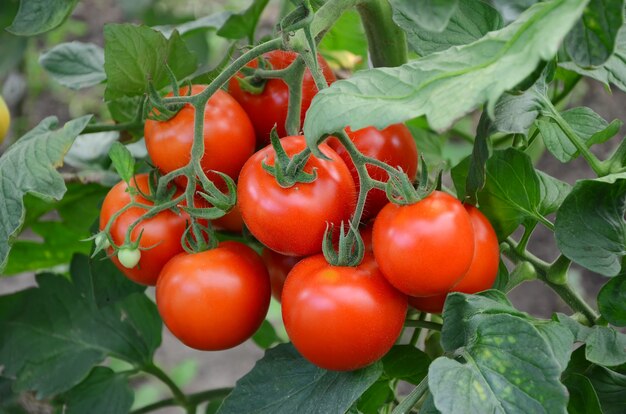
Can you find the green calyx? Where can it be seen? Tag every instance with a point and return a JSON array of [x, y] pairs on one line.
[[288, 171], [350, 249], [400, 190]]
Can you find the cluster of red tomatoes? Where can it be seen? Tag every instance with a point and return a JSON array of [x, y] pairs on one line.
[[340, 318]]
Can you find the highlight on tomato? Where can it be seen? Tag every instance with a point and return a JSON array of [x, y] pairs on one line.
[[215, 299], [341, 318], [269, 107], [160, 235]]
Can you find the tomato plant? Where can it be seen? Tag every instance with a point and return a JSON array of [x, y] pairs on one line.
[[450, 151], [215, 299], [341, 318]]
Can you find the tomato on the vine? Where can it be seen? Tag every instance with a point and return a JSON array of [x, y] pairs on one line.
[[215, 299], [292, 220], [278, 266], [269, 107], [160, 235], [393, 145], [341, 318], [481, 273], [424, 248], [228, 136]]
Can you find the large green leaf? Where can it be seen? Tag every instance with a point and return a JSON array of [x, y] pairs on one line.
[[29, 167], [53, 335], [432, 15], [592, 39], [437, 85], [102, 392], [610, 387], [39, 16], [590, 228], [136, 55], [612, 301], [582, 397], [75, 65], [472, 20], [284, 382]]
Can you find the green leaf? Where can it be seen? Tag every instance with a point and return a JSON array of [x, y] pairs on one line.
[[346, 35], [515, 113], [590, 228], [499, 374], [592, 39], [375, 397], [42, 150], [407, 363], [212, 21], [39, 16], [436, 85], [243, 25], [603, 345], [585, 122], [122, 160], [582, 397], [552, 191], [266, 336], [432, 15], [136, 55], [75, 65], [53, 335], [284, 382], [476, 173], [610, 387], [471, 21], [612, 301], [102, 392]]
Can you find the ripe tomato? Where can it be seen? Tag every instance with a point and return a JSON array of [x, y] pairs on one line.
[[481, 273], [228, 136], [215, 299], [269, 108], [394, 145], [425, 248], [341, 318], [162, 232], [278, 266], [292, 220]]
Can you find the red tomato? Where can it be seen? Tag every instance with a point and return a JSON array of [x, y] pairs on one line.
[[278, 266], [481, 273], [341, 318], [215, 299], [269, 108], [162, 232], [228, 136], [425, 248], [292, 220], [394, 145]]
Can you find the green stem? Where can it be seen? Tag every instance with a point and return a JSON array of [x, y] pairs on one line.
[[90, 129], [386, 41], [433, 326], [414, 396], [528, 231], [194, 399], [179, 397]]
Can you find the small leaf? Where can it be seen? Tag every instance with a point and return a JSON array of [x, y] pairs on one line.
[[102, 392], [582, 397], [39, 16], [375, 397], [477, 173], [75, 65], [612, 301], [516, 113], [610, 387], [42, 150], [471, 21], [136, 55], [265, 337], [123, 161], [436, 85], [284, 382], [407, 363], [590, 228], [243, 25], [552, 191], [432, 15], [592, 39]]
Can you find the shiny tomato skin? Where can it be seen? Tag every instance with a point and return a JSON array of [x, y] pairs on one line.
[[228, 136], [424, 248], [215, 299], [292, 221], [269, 108], [341, 318], [394, 145], [162, 232], [482, 272], [278, 266]]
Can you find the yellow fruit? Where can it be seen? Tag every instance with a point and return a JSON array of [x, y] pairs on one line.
[[5, 119]]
